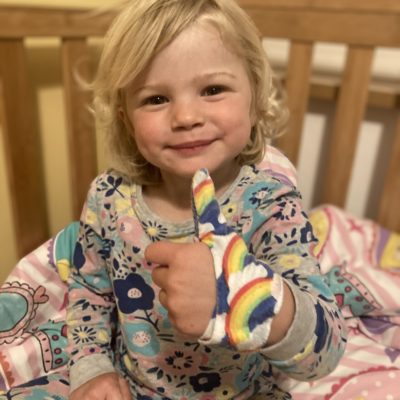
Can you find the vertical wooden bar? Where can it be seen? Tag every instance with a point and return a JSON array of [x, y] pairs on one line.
[[22, 146], [389, 206], [342, 141], [80, 122], [298, 89]]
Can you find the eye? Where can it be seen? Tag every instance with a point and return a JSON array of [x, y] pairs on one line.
[[213, 90], [155, 100]]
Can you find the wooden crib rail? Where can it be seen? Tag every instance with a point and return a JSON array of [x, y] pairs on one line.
[[22, 147], [22, 22], [360, 25], [19, 121]]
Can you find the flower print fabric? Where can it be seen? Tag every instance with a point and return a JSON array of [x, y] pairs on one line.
[[133, 293], [112, 294]]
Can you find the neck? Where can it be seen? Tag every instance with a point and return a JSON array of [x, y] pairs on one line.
[[171, 199]]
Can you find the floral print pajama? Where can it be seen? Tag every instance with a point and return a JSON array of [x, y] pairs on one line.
[[116, 323]]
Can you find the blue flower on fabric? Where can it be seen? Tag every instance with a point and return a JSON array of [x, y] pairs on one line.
[[144, 397], [142, 339], [307, 235], [78, 256], [260, 195], [205, 382], [250, 371], [321, 329], [133, 293], [111, 186]]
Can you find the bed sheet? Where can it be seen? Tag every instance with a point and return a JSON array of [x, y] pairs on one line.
[[361, 262]]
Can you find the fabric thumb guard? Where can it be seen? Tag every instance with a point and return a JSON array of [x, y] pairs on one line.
[[249, 293]]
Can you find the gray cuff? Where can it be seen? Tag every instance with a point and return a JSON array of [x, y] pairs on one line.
[[88, 368], [300, 332]]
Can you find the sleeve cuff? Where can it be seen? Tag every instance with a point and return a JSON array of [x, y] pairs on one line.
[[88, 368], [300, 332]]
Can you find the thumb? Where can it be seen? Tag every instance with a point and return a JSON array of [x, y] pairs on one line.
[[208, 217]]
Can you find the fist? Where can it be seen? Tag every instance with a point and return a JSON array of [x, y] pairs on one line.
[[185, 275], [108, 386]]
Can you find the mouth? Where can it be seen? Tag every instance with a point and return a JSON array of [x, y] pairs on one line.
[[189, 149], [192, 145]]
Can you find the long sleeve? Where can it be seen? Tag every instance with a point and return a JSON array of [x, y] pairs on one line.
[[275, 246], [90, 313], [316, 340]]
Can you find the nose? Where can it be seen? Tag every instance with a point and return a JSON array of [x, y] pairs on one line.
[[186, 114]]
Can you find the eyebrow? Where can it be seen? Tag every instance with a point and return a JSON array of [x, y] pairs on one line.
[[215, 74], [199, 78]]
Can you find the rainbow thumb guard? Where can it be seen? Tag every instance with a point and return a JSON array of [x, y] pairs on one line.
[[249, 293]]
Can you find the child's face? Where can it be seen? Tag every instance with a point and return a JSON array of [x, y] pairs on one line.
[[192, 108]]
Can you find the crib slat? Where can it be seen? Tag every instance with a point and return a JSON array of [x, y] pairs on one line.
[[80, 124], [22, 148], [331, 5], [297, 84], [342, 140], [309, 23], [18, 22], [389, 207]]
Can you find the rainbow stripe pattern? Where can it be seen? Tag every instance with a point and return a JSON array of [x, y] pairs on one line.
[[245, 309], [234, 256], [203, 191], [249, 293]]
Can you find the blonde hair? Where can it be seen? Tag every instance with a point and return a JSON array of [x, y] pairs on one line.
[[140, 31]]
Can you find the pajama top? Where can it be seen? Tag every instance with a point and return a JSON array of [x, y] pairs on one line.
[[116, 323]]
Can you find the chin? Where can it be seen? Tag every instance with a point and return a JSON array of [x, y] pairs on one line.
[[189, 172]]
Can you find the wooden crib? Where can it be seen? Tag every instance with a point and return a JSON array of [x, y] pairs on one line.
[[359, 258], [360, 25]]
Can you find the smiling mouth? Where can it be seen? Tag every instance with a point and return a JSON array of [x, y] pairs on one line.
[[192, 145], [192, 149]]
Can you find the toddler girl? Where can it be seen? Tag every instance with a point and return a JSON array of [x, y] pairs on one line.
[[193, 274]]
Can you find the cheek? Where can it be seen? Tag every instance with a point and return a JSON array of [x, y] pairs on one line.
[[144, 129], [140, 122], [237, 117]]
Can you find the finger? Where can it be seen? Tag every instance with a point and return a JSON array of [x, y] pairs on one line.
[[125, 389], [161, 253], [159, 276], [162, 297]]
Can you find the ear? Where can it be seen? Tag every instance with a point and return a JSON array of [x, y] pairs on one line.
[[121, 114], [124, 119]]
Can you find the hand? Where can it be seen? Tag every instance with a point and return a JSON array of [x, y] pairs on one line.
[[187, 280], [109, 386]]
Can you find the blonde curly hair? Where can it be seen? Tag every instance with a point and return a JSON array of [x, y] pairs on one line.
[[140, 31]]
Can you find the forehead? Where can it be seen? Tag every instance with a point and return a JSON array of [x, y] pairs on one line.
[[200, 46]]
